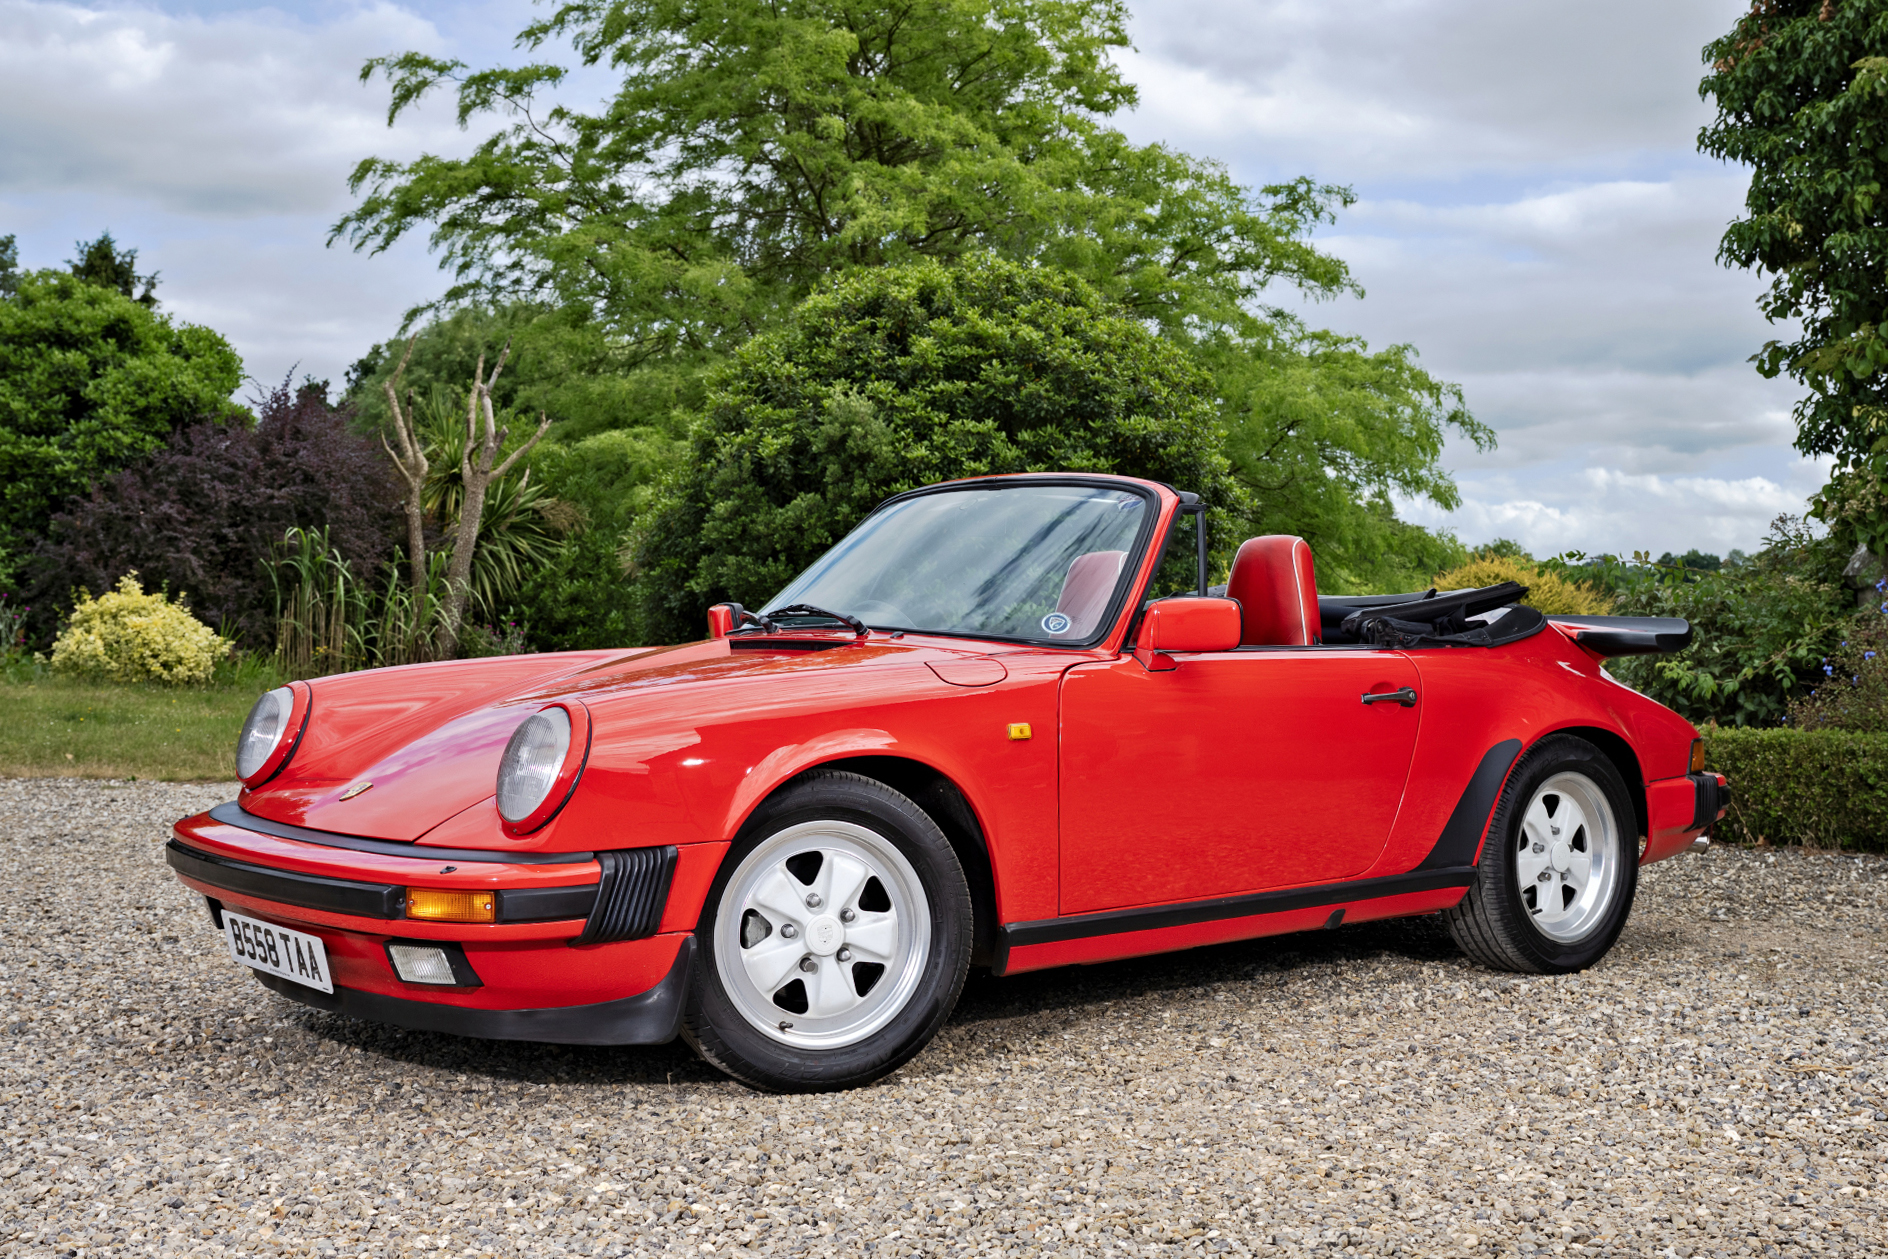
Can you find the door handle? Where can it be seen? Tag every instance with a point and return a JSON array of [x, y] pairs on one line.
[[1406, 696]]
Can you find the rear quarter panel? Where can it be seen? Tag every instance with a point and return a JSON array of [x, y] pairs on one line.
[[1474, 698]]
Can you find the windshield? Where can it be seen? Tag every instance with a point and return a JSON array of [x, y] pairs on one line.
[[1017, 561]]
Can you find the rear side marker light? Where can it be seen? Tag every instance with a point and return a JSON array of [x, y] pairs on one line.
[[422, 964], [435, 904]]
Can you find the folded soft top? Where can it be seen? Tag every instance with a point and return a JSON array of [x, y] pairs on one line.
[[1486, 617]]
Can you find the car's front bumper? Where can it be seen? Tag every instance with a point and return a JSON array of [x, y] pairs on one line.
[[555, 967], [652, 1017]]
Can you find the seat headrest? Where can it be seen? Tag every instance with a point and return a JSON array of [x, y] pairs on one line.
[[1273, 581], [1085, 590]]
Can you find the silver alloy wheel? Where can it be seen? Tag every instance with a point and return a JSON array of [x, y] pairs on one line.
[[822, 934], [1567, 858]]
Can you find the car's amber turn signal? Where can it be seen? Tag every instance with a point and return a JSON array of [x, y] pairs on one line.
[[438, 904], [1697, 756]]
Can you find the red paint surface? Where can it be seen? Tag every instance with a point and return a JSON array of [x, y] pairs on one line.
[[1228, 772]]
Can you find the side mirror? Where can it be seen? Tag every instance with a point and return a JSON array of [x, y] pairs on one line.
[[1186, 625]]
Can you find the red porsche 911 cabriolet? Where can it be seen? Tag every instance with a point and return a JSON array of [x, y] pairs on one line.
[[968, 735]]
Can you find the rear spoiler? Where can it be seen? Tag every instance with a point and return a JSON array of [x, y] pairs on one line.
[[1626, 635]]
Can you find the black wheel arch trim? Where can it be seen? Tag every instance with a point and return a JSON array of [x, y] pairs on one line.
[[1461, 837], [653, 1017]]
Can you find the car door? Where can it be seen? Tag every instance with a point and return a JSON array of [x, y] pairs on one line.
[[1233, 772]]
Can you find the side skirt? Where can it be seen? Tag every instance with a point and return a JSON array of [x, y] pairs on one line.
[[1024, 946]]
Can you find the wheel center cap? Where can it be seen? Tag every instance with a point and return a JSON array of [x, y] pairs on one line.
[[824, 935], [1562, 855]]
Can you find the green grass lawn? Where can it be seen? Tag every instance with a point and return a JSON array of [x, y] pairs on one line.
[[59, 727]]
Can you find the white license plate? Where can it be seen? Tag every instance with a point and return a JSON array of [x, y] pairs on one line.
[[290, 954]]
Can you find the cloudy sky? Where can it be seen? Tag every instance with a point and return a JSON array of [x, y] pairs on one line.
[[1532, 214]]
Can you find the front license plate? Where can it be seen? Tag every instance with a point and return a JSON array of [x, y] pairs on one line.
[[290, 954]]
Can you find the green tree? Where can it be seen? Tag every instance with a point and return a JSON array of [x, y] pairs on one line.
[[1321, 432], [1801, 88], [101, 262], [898, 377], [562, 364], [9, 266], [90, 381], [603, 484], [753, 149]]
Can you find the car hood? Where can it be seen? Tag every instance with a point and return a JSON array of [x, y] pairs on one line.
[[428, 738]]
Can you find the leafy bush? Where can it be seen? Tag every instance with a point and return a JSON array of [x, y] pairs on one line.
[[898, 377], [1853, 692], [90, 382], [1761, 624], [1547, 590], [204, 513], [605, 483], [131, 636], [1824, 788]]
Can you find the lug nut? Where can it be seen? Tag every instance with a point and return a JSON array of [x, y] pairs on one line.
[[1540, 848], [847, 915], [812, 900], [1545, 876], [844, 955], [788, 931], [808, 965]]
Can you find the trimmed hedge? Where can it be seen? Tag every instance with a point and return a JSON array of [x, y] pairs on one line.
[[1820, 788]]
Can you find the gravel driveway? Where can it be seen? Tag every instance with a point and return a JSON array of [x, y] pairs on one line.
[[1711, 1089]]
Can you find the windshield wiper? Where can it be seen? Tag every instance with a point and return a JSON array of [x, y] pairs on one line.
[[763, 621], [852, 623]]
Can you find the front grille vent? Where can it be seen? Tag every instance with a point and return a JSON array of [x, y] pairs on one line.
[[631, 894]]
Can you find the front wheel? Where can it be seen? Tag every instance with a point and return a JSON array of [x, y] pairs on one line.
[[1560, 866], [835, 940]]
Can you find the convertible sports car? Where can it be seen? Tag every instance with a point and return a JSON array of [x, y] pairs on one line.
[[970, 734]]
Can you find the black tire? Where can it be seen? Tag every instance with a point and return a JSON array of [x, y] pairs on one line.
[[1495, 923], [713, 1022]]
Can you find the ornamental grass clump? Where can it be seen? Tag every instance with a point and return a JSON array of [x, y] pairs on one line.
[[131, 636]]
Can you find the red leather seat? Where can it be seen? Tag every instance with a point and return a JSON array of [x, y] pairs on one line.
[[1277, 590], [1085, 590]]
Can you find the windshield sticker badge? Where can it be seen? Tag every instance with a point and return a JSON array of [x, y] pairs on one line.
[[1056, 623]]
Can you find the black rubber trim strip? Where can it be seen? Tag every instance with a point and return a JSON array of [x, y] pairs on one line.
[[631, 895], [648, 1018], [231, 813], [462, 971], [1150, 918], [285, 887], [1707, 799], [1461, 835], [545, 904]]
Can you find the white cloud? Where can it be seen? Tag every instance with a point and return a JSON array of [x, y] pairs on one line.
[[1424, 89], [1600, 509], [246, 114]]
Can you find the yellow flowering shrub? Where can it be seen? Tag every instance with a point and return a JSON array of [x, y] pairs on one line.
[[1546, 589], [130, 636]]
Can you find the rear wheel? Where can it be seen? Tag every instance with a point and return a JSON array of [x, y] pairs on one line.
[[1559, 868], [835, 940]]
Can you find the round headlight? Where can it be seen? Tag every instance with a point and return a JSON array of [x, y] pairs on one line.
[[533, 759], [262, 733]]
